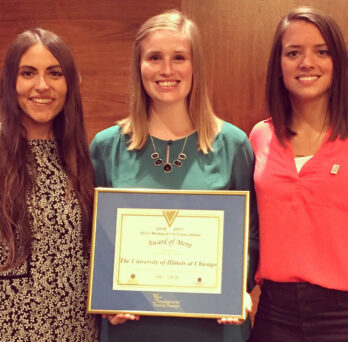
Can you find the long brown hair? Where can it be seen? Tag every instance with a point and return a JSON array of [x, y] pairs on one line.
[[277, 96], [200, 109], [69, 132]]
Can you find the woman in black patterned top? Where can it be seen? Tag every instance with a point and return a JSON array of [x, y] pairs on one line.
[[46, 182]]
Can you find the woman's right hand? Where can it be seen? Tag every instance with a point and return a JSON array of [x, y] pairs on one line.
[[121, 318]]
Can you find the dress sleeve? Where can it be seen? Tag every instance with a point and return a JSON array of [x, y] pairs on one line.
[[98, 163], [242, 173]]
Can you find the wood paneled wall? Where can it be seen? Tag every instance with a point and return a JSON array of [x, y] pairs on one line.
[[237, 41], [237, 36], [100, 34]]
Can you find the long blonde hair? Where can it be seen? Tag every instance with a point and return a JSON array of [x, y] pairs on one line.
[[200, 110]]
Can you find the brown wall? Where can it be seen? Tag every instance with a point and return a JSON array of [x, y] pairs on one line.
[[100, 34], [237, 36]]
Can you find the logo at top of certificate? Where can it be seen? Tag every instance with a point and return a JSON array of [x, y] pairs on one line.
[[170, 216]]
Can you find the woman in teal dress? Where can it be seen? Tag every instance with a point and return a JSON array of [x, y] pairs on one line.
[[173, 140]]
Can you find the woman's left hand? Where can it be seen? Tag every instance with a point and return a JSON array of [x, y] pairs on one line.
[[121, 318], [236, 321]]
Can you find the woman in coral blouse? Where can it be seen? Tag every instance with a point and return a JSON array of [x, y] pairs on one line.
[[301, 181]]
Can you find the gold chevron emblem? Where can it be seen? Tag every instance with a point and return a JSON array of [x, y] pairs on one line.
[[170, 216]]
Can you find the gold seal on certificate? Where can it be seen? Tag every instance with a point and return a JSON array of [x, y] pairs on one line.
[[164, 250]]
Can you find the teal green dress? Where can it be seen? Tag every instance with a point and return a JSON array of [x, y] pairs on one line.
[[230, 166]]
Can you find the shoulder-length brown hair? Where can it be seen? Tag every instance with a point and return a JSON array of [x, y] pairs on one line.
[[200, 109], [277, 96], [69, 132]]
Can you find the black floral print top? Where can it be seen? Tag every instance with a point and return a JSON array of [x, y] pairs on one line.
[[44, 299]]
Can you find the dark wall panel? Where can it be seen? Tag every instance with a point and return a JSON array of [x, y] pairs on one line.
[[237, 37], [100, 35], [237, 40]]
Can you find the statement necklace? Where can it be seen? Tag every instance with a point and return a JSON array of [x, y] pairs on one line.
[[168, 166]]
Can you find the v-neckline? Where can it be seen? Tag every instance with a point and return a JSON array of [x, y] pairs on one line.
[[311, 160]]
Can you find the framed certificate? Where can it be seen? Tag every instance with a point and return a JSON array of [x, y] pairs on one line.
[[169, 252]]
